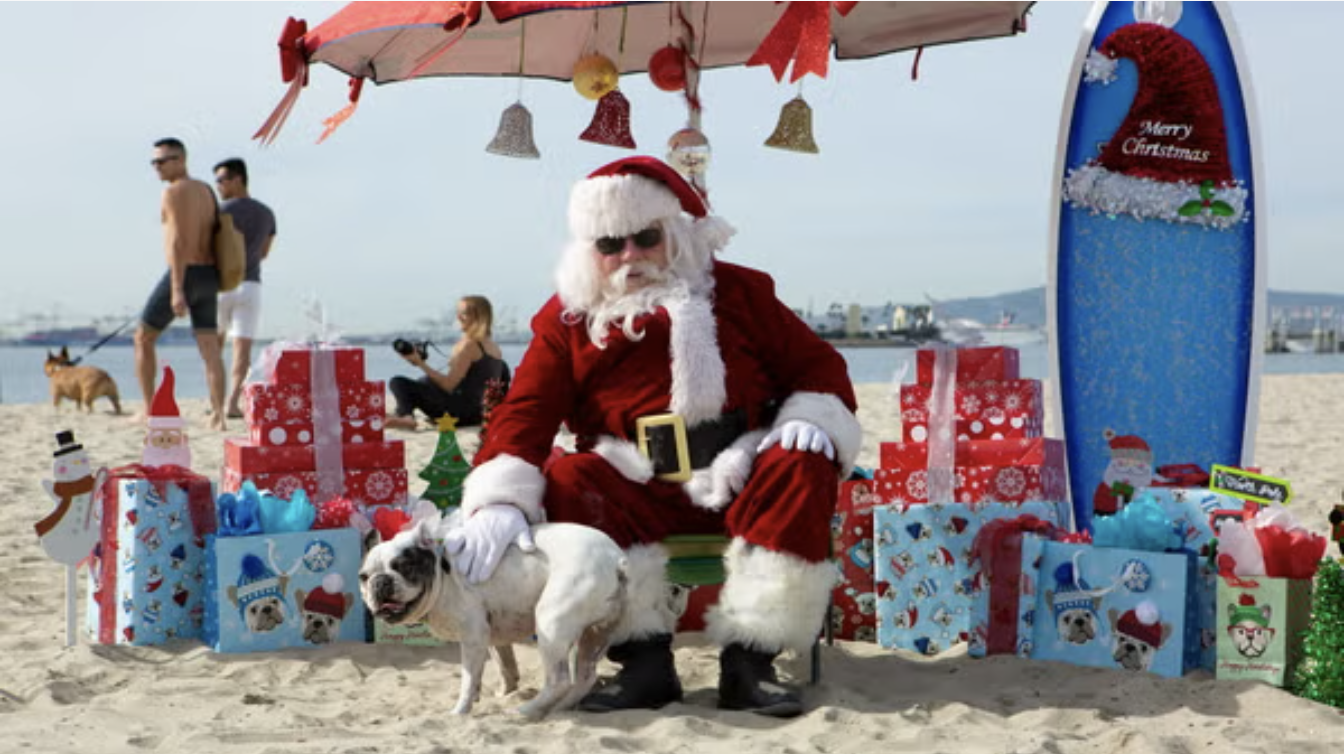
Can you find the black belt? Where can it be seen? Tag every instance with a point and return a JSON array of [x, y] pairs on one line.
[[676, 451]]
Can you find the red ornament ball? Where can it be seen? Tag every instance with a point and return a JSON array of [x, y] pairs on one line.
[[667, 69]]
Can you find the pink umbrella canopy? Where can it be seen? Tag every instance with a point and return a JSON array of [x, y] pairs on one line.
[[388, 42]]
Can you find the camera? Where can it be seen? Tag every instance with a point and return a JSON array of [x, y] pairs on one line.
[[404, 347]]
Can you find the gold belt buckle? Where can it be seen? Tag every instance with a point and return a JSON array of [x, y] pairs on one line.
[[678, 424]]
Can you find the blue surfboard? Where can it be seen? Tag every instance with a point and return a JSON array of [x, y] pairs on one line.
[[1156, 298]]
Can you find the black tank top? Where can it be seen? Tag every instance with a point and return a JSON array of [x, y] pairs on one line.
[[481, 372]]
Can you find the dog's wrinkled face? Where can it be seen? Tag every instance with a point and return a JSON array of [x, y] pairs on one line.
[[1078, 625], [319, 628], [1250, 639], [398, 575], [1130, 653], [265, 614]]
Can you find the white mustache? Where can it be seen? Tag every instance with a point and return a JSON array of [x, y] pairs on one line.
[[649, 271]]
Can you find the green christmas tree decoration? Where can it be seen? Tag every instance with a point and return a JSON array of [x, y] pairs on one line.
[[446, 470], [1320, 674]]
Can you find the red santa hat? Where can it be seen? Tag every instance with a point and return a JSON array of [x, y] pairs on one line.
[[163, 413], [1130, 447], [630, 194], [1142, 623], [1173, 141], [327, 599]]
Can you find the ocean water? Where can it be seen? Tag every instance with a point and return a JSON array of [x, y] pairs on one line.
[[22, 379]]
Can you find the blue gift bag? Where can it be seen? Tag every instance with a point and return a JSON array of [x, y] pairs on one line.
[[289, 589], [1114, 608]]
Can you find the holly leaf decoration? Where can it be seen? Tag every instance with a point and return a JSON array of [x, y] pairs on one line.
[[1222, 209], [1191, 208]]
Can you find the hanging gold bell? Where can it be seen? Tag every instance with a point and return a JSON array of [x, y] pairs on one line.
[[611, 122], [794, 131], [514, 138]]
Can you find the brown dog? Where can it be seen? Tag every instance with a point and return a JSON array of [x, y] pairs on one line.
[[80, 384]]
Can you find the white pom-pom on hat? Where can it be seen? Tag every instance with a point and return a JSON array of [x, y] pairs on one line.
[[333, 583], [1147, 613]]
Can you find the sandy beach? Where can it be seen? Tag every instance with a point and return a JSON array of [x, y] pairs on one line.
[[367, 698]]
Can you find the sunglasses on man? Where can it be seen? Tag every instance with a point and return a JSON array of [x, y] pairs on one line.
[[159, 161], [645, 239]]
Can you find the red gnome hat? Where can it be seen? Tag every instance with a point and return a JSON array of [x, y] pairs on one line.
[[1128, 446], [1168, 160], [163, 413], [1142, 623], [327, 599]]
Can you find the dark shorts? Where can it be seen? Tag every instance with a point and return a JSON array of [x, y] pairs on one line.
[[201, 287]]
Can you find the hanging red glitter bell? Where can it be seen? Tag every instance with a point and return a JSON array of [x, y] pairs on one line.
[[611, 122]]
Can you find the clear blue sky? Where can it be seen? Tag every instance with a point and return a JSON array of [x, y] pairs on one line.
[[940, 185]]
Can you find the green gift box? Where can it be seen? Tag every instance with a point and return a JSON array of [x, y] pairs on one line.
[[1261, 622]]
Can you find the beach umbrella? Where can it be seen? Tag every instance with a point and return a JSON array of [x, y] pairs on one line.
[[593, 43]]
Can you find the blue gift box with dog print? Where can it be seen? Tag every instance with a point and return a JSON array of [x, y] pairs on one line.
[[1115, 608], [289, 589], [924, 576], [145, 578]]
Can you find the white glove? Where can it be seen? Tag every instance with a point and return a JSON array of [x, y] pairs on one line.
[[480, 543], [797, 434]]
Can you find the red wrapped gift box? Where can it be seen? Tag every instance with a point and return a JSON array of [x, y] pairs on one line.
[[248, 458], [984, 411], [273, 434], [292, 403], [362, 486], [295, 366], [987, 364], [853, 601], [1005, 471]]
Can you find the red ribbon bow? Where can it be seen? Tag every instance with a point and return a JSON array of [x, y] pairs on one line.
[[998, 547], [802, 35]]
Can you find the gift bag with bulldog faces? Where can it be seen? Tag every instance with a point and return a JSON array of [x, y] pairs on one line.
[[1114, 608], [273, 583]]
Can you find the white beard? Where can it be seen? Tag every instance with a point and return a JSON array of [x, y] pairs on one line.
[[617, 305], [179, 455]]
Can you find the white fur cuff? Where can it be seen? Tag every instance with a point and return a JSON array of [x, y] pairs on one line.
[[833, 417], [771, 601], [649, 609], [625, 457], [505, 479]]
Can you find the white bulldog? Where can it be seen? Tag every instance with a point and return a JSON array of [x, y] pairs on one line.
[[570, 592]]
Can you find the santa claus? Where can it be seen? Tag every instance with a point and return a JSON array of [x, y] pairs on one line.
[[700, 404]]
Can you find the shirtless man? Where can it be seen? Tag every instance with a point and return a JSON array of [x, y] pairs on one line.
[[191, 283]]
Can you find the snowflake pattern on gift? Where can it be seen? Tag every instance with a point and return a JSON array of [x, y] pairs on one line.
[[917, 486], [296, 404], [318, 556], [970, 405], [1013, 402], [379, 486], [1010, 482], [286, 486], [1136, 576], [271, 414]]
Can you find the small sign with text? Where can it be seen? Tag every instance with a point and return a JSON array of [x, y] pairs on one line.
[[1248, 486]]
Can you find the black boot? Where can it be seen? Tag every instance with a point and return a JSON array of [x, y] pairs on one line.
[[647, 678], [747, 681]]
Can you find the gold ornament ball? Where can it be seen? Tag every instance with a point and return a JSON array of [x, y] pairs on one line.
[[595, 76]]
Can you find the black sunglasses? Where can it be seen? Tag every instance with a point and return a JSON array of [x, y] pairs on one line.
[[157, 161], [645, 239]]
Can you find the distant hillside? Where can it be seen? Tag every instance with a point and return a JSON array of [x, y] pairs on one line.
[[1029, 305]]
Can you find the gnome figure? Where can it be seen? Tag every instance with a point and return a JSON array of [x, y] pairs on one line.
[[1130, 470], [166, 441], [69, 532]]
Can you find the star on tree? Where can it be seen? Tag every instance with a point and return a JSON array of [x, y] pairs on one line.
[[447, 469]]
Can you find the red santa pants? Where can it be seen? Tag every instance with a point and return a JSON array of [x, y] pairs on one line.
[[786, 506]]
